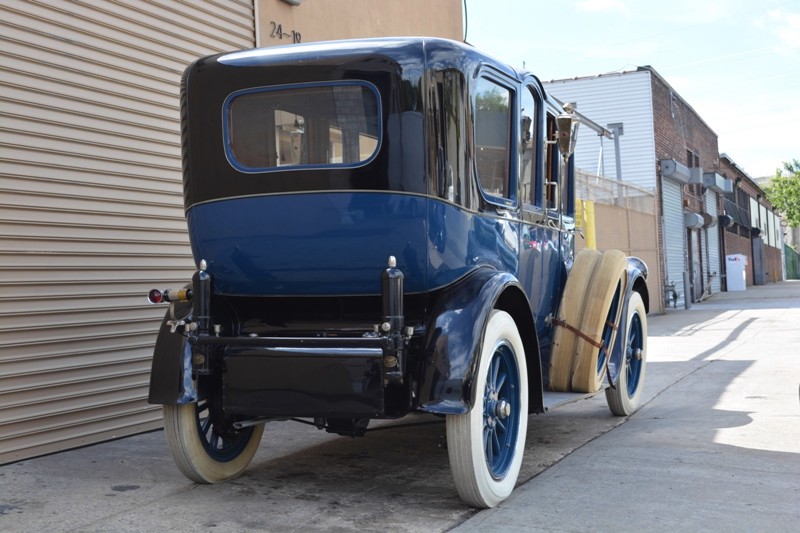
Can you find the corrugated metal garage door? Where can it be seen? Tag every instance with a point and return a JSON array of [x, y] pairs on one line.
[[712, 239], [91, 206], [674, 236]]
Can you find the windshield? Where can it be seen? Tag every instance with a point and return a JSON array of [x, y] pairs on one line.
[[311, 125]]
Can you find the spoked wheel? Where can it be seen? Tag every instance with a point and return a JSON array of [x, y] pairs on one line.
[[486, 444], [609, 333], [624, 399], [204, 450]]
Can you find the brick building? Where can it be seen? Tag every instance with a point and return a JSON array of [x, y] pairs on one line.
[[708, 207], [665, 147], [752, 228], [683, 137]]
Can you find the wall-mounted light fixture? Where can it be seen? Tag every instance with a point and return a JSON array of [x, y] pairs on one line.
[[739, 181], [758, 197], [293, 2]]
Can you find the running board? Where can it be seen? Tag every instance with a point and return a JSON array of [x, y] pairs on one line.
[[556, 399]]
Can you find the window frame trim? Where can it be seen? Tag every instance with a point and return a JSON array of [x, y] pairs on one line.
[[529, 85], [513, 87]]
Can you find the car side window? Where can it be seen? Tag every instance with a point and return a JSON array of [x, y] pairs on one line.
[[493, 137], [530, 186], [452, 103], [551, 164]]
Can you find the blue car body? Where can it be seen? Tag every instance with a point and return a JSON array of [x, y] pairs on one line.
[[295, 232]]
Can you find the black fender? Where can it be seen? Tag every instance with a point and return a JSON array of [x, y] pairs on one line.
[[171, 370], [637, 281], [455, 334]]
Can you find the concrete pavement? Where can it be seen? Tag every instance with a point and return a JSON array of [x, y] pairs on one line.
[[715, 447]]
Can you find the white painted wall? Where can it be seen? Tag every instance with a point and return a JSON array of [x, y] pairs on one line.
[[627, 98]]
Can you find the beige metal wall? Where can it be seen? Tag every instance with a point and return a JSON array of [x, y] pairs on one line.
[[90, 195], [322, 20], [624, 219], [91, 210]]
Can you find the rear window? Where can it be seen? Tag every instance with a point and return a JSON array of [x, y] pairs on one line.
[[310, 125]]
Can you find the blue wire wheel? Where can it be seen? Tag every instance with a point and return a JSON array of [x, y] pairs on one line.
[[608, 331], [501, 412], [625, 397], [222, 444], [634, 362], [486, 444]]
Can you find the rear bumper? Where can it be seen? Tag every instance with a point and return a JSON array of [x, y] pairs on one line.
[[301, 377]]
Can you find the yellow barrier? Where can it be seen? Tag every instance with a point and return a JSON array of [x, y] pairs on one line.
[[584, 219]]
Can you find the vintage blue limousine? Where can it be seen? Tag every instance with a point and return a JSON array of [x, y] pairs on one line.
[[382, 227]]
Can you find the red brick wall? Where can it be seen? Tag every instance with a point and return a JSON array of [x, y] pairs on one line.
[[774, 265], [747, 184], [738, 244], [679, 128], [734, 244]]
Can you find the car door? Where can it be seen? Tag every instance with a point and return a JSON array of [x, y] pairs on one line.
[[541, 250]]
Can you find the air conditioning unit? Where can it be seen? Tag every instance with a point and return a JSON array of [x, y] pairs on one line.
[[693, 220], [675, 171], [696, 175], [717, 183]]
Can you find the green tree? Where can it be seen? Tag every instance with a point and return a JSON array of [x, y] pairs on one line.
[[783, 192]]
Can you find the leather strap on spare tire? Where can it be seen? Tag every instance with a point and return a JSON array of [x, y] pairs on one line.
[[606, 288], [570, 310]]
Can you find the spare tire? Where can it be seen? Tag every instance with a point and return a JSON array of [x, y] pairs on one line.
[[563, 355], [602, 306]]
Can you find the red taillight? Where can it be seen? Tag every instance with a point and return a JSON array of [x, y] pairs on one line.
[[155, 296]]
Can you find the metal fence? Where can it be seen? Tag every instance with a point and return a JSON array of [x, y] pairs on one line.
[[792, 263], [613, 214], [613, 192]]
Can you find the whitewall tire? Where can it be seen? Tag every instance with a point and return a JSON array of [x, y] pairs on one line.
[[205, 453], [486, 444], [625, 397]]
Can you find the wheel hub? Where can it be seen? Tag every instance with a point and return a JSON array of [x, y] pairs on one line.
[[496, 409], [502, 409]]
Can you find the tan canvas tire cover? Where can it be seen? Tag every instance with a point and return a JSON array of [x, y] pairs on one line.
[[608, 282], [563, 355]]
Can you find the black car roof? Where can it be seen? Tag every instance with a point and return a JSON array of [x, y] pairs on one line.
[[399, 48]]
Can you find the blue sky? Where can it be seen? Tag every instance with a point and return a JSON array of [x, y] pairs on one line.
[[736, 62]]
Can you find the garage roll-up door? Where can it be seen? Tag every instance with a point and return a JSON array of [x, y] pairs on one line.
[[713, 243], [674, 237], [91, 212]]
